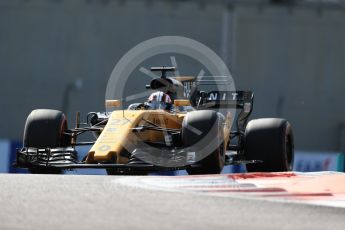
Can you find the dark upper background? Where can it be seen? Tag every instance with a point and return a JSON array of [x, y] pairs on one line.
[[291, 55]]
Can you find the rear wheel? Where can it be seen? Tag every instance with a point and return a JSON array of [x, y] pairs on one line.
[[271, 141], [44, 128], [202, 132]]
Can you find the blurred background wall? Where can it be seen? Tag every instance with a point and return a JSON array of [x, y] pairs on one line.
[[59, 54]]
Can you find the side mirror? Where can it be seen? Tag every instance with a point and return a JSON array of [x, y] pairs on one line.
[[112, 104], [182, 103]]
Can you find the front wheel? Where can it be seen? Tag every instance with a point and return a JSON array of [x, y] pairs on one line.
[[269, 140], [202, 132], [44, 128]]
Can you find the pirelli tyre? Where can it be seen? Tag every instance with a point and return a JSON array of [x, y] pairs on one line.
[[202, 133], [269, 140], [44, 128]]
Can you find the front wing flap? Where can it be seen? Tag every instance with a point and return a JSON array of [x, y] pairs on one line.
[[66, 158]]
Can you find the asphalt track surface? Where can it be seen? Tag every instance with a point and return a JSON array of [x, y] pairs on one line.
[[93, 202]]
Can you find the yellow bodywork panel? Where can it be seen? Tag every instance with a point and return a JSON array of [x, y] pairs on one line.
[[117, 135], [227, 130]]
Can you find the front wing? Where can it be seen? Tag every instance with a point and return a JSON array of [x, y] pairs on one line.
[[66, 158]]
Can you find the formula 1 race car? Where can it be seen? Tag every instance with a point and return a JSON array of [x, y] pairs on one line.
[[169, 132]]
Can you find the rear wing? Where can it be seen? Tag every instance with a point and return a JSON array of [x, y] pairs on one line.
[[202, 94], [241, 100], [206, 92], [227, 99]]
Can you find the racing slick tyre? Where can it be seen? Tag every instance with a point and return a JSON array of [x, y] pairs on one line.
[[44, 128], [202, 132], [269, 140]]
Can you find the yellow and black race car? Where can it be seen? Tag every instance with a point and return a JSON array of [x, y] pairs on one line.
[[167, 132]]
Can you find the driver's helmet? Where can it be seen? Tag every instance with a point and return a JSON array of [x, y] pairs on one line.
[[159, 100]]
